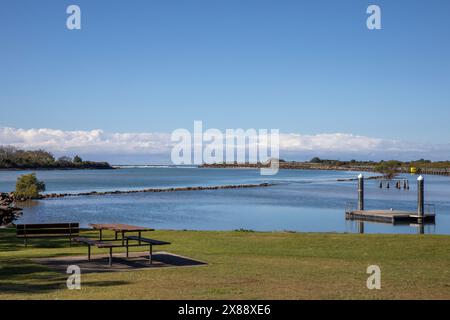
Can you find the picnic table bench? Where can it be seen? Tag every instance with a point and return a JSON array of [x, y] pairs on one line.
[[47, 230], [102, 244], [150, 242], [97, 243]]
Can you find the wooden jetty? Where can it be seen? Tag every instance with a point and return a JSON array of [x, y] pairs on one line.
[[425, 212], [389, 216]]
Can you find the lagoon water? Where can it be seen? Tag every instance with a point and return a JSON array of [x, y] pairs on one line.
[[300, 200]]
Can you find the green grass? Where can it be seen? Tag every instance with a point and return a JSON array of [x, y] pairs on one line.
[[245, 265]]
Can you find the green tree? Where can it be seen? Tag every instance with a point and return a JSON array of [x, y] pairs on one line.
[[28, 187], [389, 169], [316, 160], [77, 159], [65, 159]]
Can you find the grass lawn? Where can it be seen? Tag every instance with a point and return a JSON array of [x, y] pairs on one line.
[[244, 265]]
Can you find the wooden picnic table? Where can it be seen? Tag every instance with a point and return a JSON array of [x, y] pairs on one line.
[[119, 228]]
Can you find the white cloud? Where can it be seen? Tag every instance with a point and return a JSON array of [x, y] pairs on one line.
[[94, 141], [293, 145]]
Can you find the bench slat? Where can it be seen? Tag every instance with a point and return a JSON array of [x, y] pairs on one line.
[[45, 236], [47, 226], [147, 240], [73, 231], [97, 243]]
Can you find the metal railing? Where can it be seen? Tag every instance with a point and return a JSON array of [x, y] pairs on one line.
[[429, 208], [350, 206]]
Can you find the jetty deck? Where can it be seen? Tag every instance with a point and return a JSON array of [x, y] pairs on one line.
[[389, 216]]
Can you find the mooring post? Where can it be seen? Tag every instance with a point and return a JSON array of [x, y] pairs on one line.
[[360, 192], [420, 198], [421, 228], [361, 227]]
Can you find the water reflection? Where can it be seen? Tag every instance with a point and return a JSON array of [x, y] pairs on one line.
[[27, 204], [359, 226]]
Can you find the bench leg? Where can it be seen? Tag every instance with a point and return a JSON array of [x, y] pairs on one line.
[[110, 257], [123, 236], [116, 235], [150, 255], [89, 253], [127, 248], [100, 234]]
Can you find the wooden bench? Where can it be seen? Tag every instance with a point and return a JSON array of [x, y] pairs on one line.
[[48, 230], [98, 244], [150, 242]]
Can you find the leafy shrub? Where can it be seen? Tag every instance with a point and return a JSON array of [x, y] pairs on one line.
[[28, 187]]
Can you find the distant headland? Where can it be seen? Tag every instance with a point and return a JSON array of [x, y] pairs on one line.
[[16, 159], [388, 168]]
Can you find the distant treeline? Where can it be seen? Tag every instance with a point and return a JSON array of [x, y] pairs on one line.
[[421, 163], [12, 158], [388, 168]]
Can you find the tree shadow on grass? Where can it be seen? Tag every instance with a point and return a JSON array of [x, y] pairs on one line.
[[8, 240], [111, 283], [50, 286], [22, 276], [29, 288], [17, 268]]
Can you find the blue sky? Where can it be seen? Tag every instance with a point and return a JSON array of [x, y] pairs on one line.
[[307, 67]]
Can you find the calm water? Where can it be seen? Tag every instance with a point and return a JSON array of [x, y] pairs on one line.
[[300, 200]]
